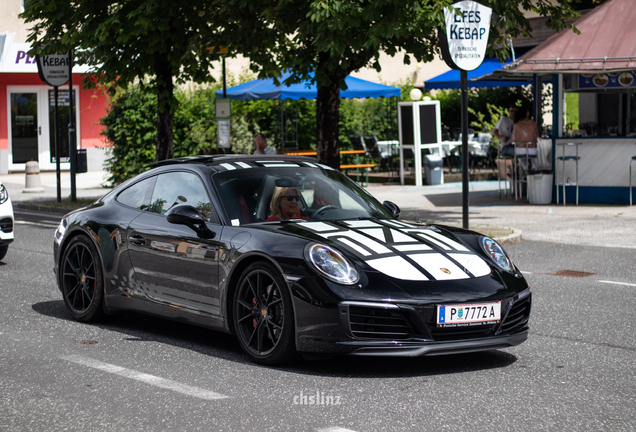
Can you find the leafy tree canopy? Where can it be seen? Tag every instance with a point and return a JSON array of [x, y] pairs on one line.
[[326, 40], [127, 40]]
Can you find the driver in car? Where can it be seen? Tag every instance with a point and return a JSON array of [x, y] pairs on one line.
[[324, 195], [285, 204]]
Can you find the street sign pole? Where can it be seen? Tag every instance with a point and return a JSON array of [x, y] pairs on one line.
[[55, 70], [465, 154], [71, 129], [463, 47], [57, 150]]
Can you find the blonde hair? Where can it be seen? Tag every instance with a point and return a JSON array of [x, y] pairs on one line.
[[276, 197]]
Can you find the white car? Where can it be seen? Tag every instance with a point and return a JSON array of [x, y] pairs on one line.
[[6, 221]]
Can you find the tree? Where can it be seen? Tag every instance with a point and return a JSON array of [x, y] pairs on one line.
[[326, 40], [130, 40]]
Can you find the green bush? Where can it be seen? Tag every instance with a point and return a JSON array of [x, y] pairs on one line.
[[130, 123]]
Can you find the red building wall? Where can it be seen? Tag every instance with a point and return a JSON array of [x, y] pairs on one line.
[[92, 106]]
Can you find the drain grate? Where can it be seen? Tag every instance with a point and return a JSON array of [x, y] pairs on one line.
[[571, 273]]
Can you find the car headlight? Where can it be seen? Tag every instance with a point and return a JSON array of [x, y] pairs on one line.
[[494, 251], [331, 264], [4, 195]]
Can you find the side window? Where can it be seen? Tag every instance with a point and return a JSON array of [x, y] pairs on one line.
[[138, 195], [180, 188]]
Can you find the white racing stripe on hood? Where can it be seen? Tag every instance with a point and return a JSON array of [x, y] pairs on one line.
[[472, 263], [368, 241], [365, 241], [413, 247], [319, 227], [398, 268], [362, 224], [400, 237], [376, 233], [352, 245], [434, 263]]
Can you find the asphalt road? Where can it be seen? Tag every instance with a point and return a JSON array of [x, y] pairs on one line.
[[576, 372]]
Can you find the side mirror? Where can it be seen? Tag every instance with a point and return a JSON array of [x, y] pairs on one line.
[[189, 216], [393, 208]]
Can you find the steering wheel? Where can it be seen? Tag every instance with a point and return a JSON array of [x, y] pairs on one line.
[[322, 209]]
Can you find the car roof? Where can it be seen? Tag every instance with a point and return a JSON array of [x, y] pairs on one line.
[[214, 161]]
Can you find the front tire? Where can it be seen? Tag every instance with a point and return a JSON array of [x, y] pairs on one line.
[[81, 280], [3, 251], [263, 315]]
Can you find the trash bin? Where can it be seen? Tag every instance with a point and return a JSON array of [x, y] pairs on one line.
[[540, 188], [433, 165], [82, 161]]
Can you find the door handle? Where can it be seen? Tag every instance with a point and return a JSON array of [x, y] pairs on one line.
[[137, 240]]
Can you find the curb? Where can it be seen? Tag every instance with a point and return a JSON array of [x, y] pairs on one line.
[[513, 238], [41, 208]]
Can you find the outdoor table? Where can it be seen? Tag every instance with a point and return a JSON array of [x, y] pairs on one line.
[[450, 147]]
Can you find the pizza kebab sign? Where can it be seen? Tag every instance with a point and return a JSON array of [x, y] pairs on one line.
[[467, 30], [54, 69]]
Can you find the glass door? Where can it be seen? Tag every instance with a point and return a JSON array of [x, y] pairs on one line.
[[32, 128], [25, 128]]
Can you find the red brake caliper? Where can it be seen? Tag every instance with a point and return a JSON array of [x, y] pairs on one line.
[[254, 321]]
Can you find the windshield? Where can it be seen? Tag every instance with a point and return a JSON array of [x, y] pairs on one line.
[[299, 193]]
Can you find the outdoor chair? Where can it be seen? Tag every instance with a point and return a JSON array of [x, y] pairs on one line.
[[384, 158], [358, 144]]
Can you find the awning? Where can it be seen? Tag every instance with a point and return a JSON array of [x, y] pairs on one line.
[[267, 89], [451, 79], [607, 43]]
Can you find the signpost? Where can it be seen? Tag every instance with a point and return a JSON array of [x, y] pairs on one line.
[[223, 106], [55, 70], [464, 49], [223, 122]]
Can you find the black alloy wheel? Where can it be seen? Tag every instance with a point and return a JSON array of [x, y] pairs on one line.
[[81, 280], [263, 315]]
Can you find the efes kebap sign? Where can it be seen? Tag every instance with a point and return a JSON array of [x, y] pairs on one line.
[[464, 46], [54, 69]]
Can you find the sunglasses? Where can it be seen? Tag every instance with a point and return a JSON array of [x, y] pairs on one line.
[[290, 198]]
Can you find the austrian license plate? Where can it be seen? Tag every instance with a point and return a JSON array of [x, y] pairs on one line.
[[459, 315]]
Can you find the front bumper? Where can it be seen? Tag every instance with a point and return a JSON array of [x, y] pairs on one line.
[[7, 221], [426, 348]]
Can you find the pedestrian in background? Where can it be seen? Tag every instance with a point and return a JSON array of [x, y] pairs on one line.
[[261, 147], [503, 132], [524, 135]]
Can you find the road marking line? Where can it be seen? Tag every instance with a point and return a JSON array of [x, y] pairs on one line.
[[18, 222], [334, 429], [618, 283], [146, 378]]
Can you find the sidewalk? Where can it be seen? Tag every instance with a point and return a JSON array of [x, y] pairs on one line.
[[589, 225], [507, 219], [87, 185]]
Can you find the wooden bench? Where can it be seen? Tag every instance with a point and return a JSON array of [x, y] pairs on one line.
[[357, 167]]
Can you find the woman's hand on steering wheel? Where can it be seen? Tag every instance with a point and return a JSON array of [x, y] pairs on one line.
[[323, 209]]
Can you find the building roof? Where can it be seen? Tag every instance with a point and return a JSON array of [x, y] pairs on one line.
[[607, 43]]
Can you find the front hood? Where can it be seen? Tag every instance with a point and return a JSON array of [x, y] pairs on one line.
[[398, 249]]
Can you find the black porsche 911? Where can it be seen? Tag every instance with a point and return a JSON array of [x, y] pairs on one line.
[[290, 256]]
